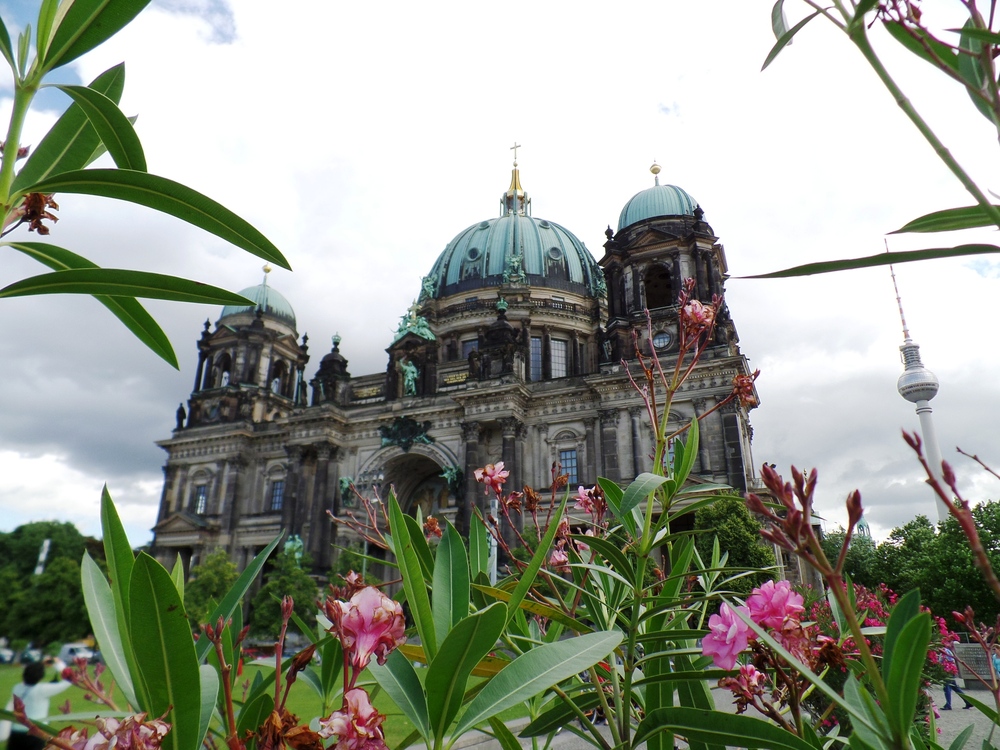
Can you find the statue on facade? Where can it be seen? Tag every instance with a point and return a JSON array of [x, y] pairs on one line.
[[181, 416], [427, 285], [294, 547], [410, 375], [513, 269], [346, 486]]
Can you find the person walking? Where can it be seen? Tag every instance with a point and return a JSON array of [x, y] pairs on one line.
[[35, 695], [950, 666]]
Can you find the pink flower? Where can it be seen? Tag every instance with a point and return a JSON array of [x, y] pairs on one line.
[[358, 726], [584, 501], [727, 636], [369, 624], [493, 476], [130, 733], [774, 603], [697, 318], [559, 560]]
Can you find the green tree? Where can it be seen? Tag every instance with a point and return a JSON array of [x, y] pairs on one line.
[[20, 547], [859, 563], [285, 578], [50, 608], [939, 563], [211, 580], [739, 535]]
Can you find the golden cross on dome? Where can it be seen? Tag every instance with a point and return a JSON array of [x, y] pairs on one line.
[[514, 148]]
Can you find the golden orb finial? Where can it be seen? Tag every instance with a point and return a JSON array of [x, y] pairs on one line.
[[655, 169]]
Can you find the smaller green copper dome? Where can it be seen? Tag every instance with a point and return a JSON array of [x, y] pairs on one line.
[[659, 200], [268, 300]]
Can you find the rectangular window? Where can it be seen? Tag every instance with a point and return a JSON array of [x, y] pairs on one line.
[[559, 349], [568, 461], [468, 347], [201, 499], [536, 359], [277, 494]]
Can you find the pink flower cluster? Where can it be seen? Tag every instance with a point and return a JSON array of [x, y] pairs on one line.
[[493, 476], [774, 606], [369, 624], [130, 733], [357, 727]]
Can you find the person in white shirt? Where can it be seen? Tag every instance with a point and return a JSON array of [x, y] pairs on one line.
[[35, 695]]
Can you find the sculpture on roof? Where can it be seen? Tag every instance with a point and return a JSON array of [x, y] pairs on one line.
[[415, 324]]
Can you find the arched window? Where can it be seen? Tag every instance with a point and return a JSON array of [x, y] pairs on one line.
[[221, 372], [658, 287]]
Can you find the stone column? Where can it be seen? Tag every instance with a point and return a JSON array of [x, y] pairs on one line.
[[169, 475], [592, 460], [675, 277], [635, 413], [320, 534], [200, 372], [542, 457], [546, 353], [510, 427], [473, 491], [230, 510], [609, 443], [293, 477], [704, 457]]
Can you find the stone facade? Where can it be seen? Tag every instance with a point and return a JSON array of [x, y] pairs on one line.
[[512, 352]]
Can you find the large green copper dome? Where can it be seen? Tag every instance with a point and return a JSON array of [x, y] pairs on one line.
[[267, 299], [515, 246], [659, 200]]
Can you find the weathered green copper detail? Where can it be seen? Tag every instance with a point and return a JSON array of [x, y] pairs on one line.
[[405, 432], [455, 478], [415, 324], [410, 375]]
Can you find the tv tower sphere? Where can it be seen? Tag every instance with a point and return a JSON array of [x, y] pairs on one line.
[[917, 383]]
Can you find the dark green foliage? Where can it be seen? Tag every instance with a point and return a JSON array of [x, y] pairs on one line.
[[284, 578], [860, 561], [939, 563], [739, 535], [50, 606], [21, 546], [210, 582]]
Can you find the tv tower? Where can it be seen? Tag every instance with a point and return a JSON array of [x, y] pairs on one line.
[[918, 385]]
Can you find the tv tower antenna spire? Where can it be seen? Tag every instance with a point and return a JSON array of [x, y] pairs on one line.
[[918, 385]]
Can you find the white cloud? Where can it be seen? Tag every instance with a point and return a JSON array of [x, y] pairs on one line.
[[361, 138]]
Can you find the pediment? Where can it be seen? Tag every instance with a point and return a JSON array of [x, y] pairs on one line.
[[181, 523], [650, 238]]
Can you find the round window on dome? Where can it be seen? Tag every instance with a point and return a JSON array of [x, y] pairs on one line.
[[484, 225], [473, 253], [662, 339], [555, 253], [543, 224]]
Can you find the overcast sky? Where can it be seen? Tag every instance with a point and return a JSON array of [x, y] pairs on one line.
[[362, 137]]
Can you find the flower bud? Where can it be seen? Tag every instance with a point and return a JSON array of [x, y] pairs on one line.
[[287, 607]]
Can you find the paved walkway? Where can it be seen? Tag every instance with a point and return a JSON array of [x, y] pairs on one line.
[[950, 725]]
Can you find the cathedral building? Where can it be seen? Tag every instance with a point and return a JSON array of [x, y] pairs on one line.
[[512, 352]]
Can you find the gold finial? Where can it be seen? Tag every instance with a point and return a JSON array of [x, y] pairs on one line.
[[514, 148], [266, 268], [655, 169]]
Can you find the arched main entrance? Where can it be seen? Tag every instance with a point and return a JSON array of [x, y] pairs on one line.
[[417, 478]]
